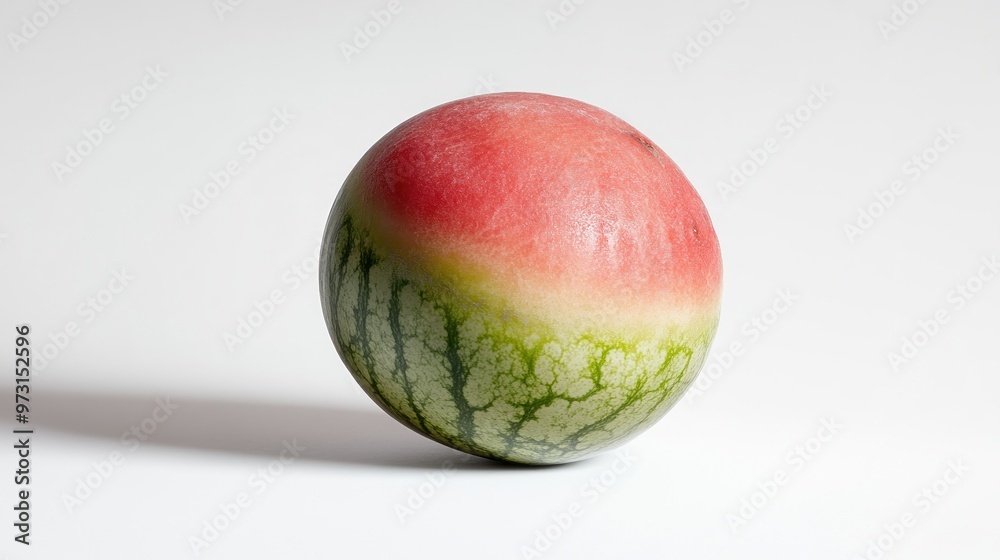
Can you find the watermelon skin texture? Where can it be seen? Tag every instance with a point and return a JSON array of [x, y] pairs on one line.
[[455, 343]]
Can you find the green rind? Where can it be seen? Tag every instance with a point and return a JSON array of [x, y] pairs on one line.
[[472, 377]]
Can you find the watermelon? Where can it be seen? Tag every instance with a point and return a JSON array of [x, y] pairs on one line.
[[521, 277]]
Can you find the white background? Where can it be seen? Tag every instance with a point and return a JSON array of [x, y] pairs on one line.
[[63, 235]]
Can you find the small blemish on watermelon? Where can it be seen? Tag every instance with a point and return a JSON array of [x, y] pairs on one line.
[[646, 144]]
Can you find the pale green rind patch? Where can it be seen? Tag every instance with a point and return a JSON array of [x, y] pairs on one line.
[[468, 375]]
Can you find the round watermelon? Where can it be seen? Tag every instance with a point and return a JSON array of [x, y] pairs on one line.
[[521, 277]]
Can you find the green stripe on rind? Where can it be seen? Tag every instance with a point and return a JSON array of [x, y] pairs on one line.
[[471, 377]]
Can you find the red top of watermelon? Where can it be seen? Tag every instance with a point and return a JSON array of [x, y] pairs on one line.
[[548, 196]]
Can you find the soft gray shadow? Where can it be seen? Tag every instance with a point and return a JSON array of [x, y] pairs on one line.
[[333, 434]]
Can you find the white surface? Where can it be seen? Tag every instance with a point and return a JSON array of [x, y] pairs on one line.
[[163, 335]]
